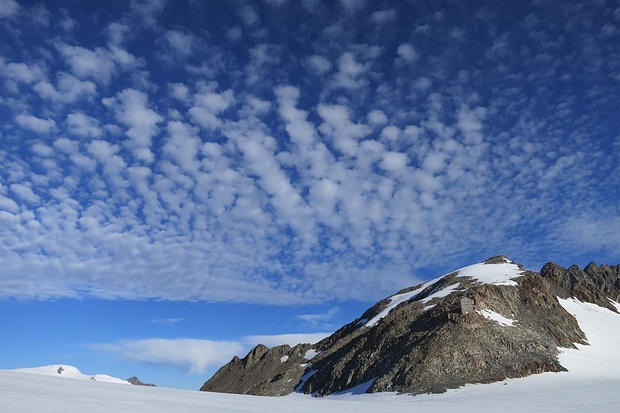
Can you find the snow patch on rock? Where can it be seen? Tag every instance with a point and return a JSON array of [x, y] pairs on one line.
[[492, 315]]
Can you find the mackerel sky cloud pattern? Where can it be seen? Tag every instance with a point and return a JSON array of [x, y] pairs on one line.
[[299, 152]]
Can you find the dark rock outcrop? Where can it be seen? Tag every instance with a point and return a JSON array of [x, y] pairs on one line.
[[593, 284], [136, 382], [265, 371], [427, 344]]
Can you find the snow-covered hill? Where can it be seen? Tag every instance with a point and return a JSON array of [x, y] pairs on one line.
[[70, 372]]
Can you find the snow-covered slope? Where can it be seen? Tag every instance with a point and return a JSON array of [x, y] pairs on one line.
[[599, 359], [65, 371], [498, 273], [550, 392], [501, 273]]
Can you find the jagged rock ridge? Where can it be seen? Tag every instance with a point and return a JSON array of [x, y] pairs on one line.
[[421, 340]]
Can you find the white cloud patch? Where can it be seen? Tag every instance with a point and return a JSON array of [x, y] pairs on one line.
[[106, 154], [407, 53], [234, 33], [285, 339], [192, 355], [350, 72], [35, 124], [180, 43], [67, 90], [338, 125], [394, 161], [97, 64], [25, 193], [390, 133], [470, 123], [589, 232], [319, 64], [81, 124], [117, 33], [423, 83], [42, 149], [352, 5], [383, 16], [21, 72], [299, 129], [8, 8], [208, 105], [183, 146], [377, 117], [179, 91], [8, 205], [39, 15], [131, 108], [264, 60], [147, 11], [315, 319], [434, 162]]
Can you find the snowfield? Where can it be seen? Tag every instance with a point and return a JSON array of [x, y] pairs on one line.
[[552, 392], [591, 385]]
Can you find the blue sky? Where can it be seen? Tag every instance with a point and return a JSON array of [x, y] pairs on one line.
[[182, 180]]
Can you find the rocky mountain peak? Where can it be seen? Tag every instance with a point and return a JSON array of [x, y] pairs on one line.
[[482, 323], [269, 371], [256, 354]]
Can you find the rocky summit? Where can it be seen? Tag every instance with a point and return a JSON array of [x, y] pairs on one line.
[[480, 324]]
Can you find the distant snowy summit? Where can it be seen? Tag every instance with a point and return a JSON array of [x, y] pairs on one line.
[[66, 371], [483, 323], [72, 373]]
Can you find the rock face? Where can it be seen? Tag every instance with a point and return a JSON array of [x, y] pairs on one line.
[[264, 371], [593, 284], [426, 338]]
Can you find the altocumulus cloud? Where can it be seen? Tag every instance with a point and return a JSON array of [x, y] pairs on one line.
[[158, 158], [195, 355]]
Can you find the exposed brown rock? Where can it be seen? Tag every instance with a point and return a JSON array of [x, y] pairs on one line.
[[266, 371], [595, 285]]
